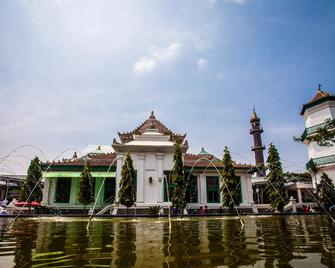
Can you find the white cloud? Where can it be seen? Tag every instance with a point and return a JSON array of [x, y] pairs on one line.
[[202, 64], [157, 56], [239, 2], [144, 65]]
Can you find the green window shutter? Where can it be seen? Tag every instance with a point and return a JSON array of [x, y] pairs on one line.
[[63, 190], [213, 189]]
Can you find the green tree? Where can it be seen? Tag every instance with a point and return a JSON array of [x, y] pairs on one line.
[[275, 180], [34, 174], [230, 188], [326, 191], [178, 179], [86, 188], [127, 193]]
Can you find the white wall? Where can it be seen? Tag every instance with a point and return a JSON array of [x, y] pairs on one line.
[[319, 113], [315, 151]]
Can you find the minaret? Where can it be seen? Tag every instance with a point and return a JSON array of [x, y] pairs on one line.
[[256, 131]]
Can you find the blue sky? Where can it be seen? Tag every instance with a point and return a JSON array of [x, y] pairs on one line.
[[74, 73]]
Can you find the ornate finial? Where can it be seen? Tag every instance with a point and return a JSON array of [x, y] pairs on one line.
[[254, 116], [99, 147], [319, 87], [75, 155], [253, 108], [152, 116]]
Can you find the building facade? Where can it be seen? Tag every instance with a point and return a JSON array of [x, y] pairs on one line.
[[151, 146]]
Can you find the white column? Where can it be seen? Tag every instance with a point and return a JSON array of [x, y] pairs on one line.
[[46, 188], [250, 198], [203, 189], [119, 164], [299, 195], [140, 181], [159, 157]]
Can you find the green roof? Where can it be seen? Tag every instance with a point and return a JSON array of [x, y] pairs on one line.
[[97, 151], [311, 130], [203, 152], [319, 161]]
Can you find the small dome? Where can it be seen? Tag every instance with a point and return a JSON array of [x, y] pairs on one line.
[[97, 151], [254, 117], [203, 152]]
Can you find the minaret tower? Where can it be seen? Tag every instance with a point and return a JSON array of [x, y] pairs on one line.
[[256, 131]]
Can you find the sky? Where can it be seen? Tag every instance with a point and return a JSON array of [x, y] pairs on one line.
[[75, 72]]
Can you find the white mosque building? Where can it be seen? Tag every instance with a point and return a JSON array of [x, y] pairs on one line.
[[151, 146]]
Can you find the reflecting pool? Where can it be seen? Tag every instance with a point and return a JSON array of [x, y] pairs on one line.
[[265, 241]]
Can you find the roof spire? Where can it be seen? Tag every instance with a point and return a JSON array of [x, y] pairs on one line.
[[254, 116], [152, 116], [319, 87]]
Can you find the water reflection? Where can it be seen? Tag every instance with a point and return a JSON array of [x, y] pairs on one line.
[[194, 242]]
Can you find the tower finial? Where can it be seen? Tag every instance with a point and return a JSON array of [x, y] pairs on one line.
[[319, 87], [152, 116]]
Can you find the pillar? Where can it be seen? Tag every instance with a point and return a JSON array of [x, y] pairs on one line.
[[140, 179], [119, 164], [159, 157], [46, 191], [299, 195], [202, 189]]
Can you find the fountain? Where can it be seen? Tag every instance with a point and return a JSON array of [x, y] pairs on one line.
[[218, 172], [97, 198], [168, 198], [39, 180]]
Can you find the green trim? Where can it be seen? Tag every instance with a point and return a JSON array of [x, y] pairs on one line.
[[77, 168], [325, 160], [311, 130], [68, 174]]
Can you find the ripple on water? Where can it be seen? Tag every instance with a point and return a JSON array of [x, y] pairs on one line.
[[191, 242]]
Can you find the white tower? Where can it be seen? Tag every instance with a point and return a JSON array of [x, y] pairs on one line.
[[315, 112]]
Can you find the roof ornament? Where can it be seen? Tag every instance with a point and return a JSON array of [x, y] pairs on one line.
[[152, 116], [254, 116], [319, 86]]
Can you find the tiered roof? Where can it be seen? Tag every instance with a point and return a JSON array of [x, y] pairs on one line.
[[150, 123], [93, 159], [198, 161], [320, 97]]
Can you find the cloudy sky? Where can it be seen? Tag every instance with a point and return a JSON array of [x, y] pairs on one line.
[[74, 73]]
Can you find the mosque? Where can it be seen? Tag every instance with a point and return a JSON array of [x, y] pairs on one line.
[[151, 146]]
